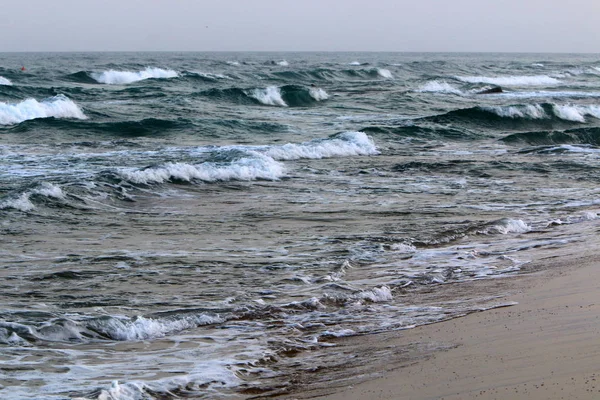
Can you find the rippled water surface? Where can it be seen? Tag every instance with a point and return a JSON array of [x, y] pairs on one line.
[[184, 224]]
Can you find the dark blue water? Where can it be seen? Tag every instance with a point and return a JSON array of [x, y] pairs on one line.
[[183, 224]]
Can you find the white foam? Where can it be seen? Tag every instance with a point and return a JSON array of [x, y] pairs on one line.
[[576, 113], [4, 81], [210, 75], [531, 111], [141, 328], [283, 63], [58, 107], [533, 80], [438, 87], [236, 63], [385, 73], [354, 63], [22, 203], [403, 248], [340, 333], [255, 166], [112, 77], [318, 94], [377, 295], [344, 144], [270, 96], [506, 226]]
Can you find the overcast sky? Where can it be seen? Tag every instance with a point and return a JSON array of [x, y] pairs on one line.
[[300, 25]]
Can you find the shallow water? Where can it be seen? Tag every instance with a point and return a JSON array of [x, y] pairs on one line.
[[181, 224]]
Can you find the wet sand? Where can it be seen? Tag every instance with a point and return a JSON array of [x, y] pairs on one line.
[[545, 347]]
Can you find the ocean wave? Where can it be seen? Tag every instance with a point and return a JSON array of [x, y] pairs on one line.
[[270, 96], [23, 200], [58, 107], [115, 328], [112, 77], [504, 227], [520, 114], [439, 87], [207, 76], [339, 145], [285, 96], [385, 73], [586, 136], [533, 80], [4, 81], [250, 167]]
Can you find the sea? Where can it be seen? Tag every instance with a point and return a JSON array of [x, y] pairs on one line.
[[199, 225]]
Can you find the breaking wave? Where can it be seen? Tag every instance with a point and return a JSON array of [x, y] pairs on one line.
[[112, 77], [23, 201], [4, 81], [339, 145], [534, 80], [439, 87], [285, 96], [58, 107]]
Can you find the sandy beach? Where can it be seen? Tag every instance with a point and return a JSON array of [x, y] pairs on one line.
[[545, 347]]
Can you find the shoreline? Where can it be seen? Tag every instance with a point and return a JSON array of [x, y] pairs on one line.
[[543, 347]]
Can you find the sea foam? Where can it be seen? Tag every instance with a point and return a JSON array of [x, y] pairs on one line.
[[318, 94], [112, 77], [58, 106], [23, 201], [4, 81], [534, 80]]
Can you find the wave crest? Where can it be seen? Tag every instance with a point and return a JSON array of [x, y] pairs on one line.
[[4, 81], [533, 80], [58, 107], [112, 77]]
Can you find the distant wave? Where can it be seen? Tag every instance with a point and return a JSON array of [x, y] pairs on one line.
[[113, 77], [285, 96], [439, 87], [207, 76], [58, 107], [521, 113], [534, 80], [586, 136], [4, 81], [145, 127]]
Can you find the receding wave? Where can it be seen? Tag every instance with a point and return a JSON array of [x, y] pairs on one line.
[[533, 80], [285, 96], [586, 136], [4, 81], [58, 107], [112, 77]]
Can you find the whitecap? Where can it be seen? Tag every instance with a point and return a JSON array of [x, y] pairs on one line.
[[318, 94], [533, 80], [112, 77], [438, 87], [344, 144], [58, 106], [4, 81], [270, 96], [385, 73]]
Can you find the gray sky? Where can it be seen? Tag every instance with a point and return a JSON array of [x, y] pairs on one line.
[[298, 25]]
